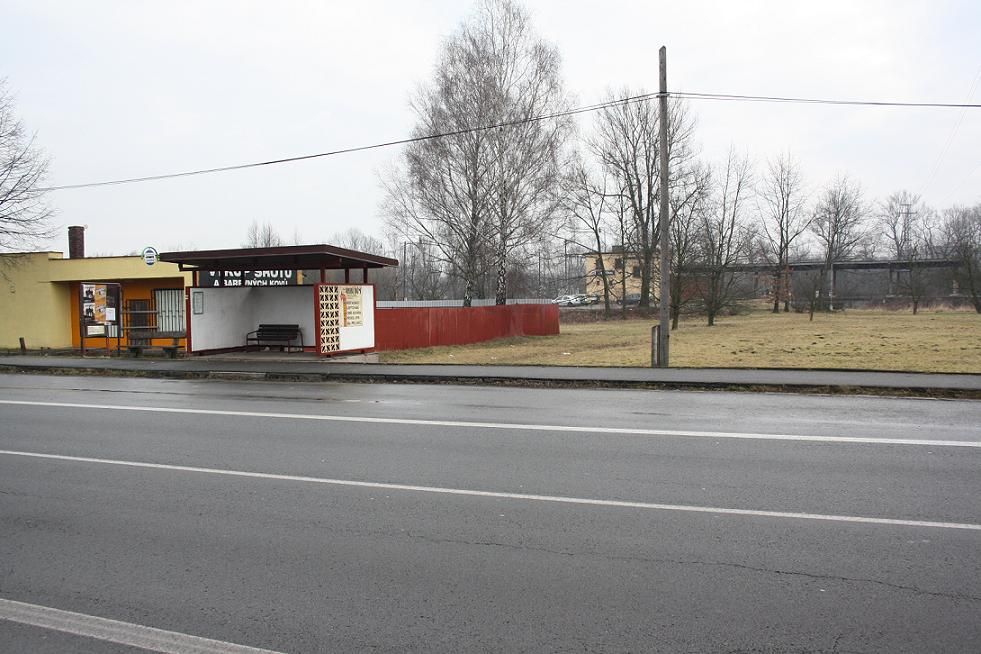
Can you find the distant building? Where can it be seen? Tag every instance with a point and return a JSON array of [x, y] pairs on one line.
[[623, 273]]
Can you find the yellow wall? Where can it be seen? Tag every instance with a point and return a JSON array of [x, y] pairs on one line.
[[30, 305], [594, 282], [37, 291]]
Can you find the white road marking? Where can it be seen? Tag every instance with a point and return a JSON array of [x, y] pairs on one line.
[[511, 426], [115, 631], [504, 496]]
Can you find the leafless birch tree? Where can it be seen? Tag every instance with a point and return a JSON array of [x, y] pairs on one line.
[[481, 194]]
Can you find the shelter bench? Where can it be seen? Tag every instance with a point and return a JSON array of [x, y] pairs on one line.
[[137, 345], [285, 336]]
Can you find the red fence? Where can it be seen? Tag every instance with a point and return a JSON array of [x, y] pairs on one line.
[[402, 329]]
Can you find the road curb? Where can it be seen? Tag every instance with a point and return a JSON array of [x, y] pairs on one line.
[[484, 380]]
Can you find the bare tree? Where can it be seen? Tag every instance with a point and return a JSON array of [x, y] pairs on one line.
[[899, 218], [480, 194], [838, 225], [355, 239], [626, 143], [962, 238], [262, 235], [783, 219], [724, 236], [522, 73], [585, 201], [24, 215], [905, 226], [688, 209]]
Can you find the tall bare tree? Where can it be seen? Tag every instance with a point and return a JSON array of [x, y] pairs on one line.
[[24, 214], [626, 143], [522, 73], [482, 194], [838, 225], [724, 236], [783, 219]]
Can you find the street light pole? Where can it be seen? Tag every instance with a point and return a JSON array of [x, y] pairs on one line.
[[565, 266], [405, 274]]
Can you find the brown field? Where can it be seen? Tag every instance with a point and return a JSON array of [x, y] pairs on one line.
[[932, 341]]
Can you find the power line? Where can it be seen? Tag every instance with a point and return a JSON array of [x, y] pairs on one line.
[[691, 95], [362, 148], [522, 121], [950, 137]]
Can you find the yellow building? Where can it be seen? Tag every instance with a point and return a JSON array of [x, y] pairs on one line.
[[623, 273], [41, 292]]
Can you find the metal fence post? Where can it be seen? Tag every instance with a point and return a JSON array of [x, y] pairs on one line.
[[655, 345]]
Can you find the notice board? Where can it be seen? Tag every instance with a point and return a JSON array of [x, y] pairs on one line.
[[345, 317]]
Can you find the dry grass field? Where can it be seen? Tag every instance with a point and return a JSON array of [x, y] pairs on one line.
[[932, 341]]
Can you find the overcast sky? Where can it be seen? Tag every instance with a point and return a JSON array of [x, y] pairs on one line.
[[128, 88]]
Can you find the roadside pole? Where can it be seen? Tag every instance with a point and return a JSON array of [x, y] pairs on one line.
[[664, 215]]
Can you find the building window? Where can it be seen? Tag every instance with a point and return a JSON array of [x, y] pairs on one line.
[[618, 263], [170, 309]]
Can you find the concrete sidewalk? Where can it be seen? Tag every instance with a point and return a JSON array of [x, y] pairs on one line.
[[307, 369]]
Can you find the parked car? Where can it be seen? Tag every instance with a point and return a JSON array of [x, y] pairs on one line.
[[632, 299], [564, 300]]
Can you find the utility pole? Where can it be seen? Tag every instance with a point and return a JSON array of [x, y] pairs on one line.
[[664, 217]]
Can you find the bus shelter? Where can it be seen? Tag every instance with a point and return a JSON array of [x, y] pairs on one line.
[[327, 318]]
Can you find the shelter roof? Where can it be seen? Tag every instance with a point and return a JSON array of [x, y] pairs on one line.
[[289, 257]]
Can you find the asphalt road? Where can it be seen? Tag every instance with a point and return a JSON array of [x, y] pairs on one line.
[[333, 517]]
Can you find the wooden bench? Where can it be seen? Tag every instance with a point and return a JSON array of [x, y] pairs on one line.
[[285, 336]]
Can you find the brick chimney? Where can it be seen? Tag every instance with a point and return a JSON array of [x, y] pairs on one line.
[[76, 242]]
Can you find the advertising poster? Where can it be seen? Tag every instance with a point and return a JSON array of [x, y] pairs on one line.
[[352, 306], [88, 303], [99, 307]]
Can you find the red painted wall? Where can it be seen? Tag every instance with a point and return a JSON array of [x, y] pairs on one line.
[[403, 329]]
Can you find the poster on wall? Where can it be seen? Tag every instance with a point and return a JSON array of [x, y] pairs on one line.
[[346, 317], [98, 308], [352, 306], [99, 311]]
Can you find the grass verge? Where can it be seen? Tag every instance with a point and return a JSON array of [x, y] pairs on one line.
[[936, 341]]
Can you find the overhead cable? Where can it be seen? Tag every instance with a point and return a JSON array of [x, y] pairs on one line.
[[512, 123]]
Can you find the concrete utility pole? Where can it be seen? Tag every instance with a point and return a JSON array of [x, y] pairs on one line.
[[664, 215]]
